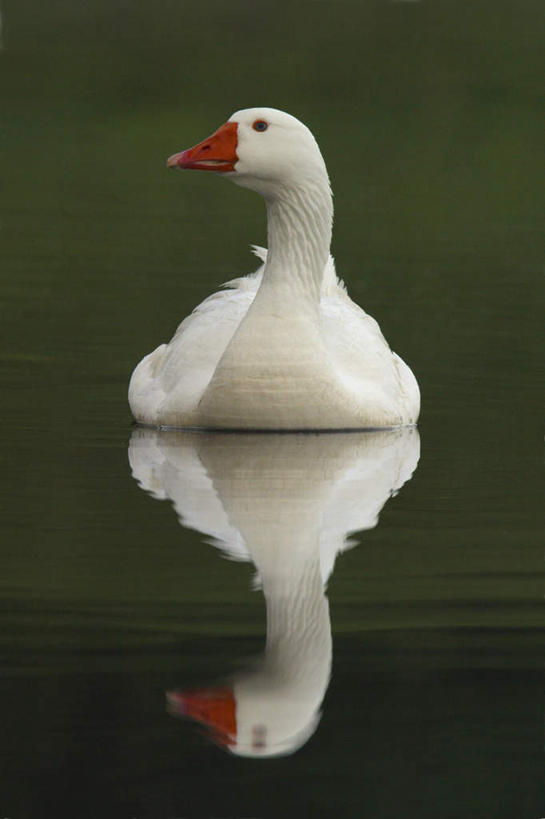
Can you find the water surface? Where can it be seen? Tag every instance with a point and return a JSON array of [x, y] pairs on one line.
[[430, 119]]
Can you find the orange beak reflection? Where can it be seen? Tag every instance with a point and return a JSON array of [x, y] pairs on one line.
[[217, 153], [214, 707]]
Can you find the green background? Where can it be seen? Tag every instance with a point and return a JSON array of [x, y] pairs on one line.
[[430, 118]]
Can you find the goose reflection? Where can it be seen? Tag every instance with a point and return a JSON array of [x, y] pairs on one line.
[[287, 503]]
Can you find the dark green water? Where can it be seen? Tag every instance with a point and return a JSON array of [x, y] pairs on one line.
[[429, 115]]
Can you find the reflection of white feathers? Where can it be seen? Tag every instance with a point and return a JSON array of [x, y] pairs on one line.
[[170, 460], [288, 504]]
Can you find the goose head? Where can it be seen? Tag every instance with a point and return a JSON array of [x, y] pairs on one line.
[[263, 149]]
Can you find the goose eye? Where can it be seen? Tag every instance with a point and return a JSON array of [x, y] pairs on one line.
[[260, 125]]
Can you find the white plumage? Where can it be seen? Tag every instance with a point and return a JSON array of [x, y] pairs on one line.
[[283, 348]]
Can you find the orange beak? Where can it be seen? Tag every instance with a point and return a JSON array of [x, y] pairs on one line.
[[213, 707], [217, 153]]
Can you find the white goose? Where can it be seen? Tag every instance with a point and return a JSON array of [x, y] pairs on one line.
[[284, 348]]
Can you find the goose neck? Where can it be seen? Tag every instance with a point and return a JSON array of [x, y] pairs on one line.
[[298, 624], [299, 222]]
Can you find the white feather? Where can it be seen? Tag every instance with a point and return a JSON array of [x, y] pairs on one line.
[[285, 347]]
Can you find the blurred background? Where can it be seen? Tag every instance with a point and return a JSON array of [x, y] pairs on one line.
[[430, 118]]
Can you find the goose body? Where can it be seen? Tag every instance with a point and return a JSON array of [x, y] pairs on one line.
[[284, 348]]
